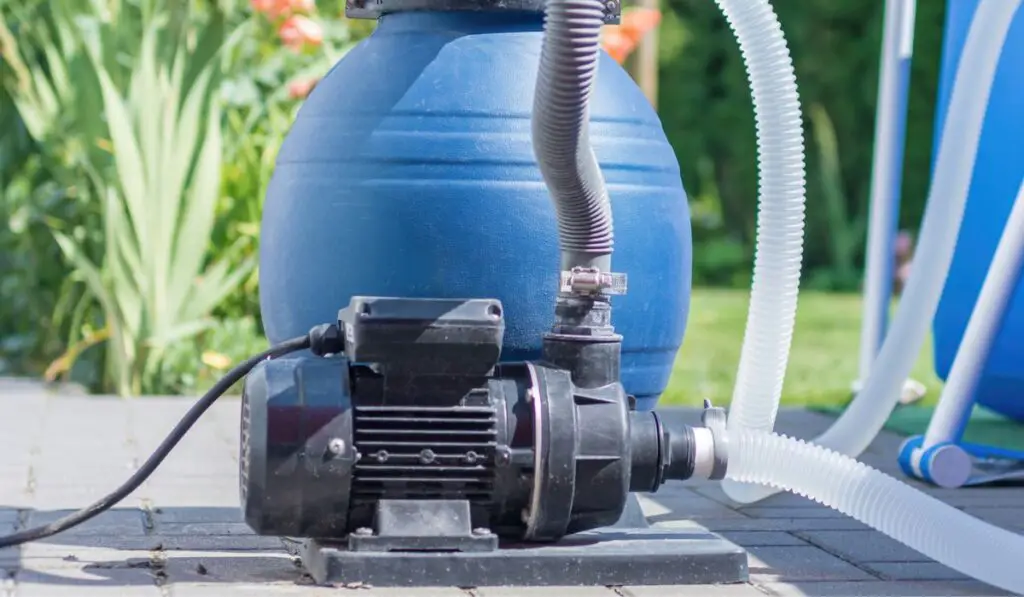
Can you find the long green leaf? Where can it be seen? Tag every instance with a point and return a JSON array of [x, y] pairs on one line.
[[159, 179], [144, 96], [198, 217], [127, 157], [212, 41], [181, 331], [127, 276], [126, 318], [217, 282], [190, 145], [90, 272]]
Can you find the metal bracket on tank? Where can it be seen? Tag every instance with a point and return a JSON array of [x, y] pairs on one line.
[[373, 9]]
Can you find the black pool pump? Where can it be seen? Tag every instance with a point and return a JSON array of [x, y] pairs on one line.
[[405, 451], [403, 440]]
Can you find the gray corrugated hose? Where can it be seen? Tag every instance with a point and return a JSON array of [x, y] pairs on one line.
[[561, 143]]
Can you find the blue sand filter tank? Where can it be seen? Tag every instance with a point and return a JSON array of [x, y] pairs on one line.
[[998, 172], [409, 171]]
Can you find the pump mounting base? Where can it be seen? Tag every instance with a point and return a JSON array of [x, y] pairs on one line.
[[628, 553]]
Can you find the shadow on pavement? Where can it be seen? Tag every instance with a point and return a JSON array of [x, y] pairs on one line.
[[133, 546]]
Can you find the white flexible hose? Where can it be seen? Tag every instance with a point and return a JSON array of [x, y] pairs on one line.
[[780, 216], [860, 423], [937, 530]]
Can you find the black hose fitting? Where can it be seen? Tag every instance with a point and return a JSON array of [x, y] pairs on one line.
[[660, 452]]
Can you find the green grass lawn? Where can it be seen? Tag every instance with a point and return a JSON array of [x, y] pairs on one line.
[[822, 364]]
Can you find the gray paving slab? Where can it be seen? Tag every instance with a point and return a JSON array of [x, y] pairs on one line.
[[291, 590], [763, 538], [181, 534], [188, 529], [196, 514], [205, 567], [51, 498], [714, 492], [912, 571], [1011, 518], [769, 524], [874, 588], [662, 506], [791, 512], [862, 546], [984, 497], [116, 522], [773, 564], [219, 542], [10, 558], [108, 582], [72, 555], [543, 592], [743, 590], [70, 543]]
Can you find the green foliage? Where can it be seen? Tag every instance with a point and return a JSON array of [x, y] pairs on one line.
[[151, 167], [193, 366], [842, 232], [244, 181], [137, 141], [821, 367], [44, 171], [706, 109], [153, 285], [260, 107]]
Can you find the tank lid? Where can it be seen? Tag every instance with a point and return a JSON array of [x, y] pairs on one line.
[[372, 9]]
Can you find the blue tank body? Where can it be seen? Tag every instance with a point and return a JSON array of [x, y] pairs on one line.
[[410, 172], [998, 172]]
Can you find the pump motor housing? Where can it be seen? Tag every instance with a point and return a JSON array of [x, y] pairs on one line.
[[413, 436]]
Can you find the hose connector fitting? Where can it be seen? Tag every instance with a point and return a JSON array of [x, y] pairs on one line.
[[662, 451], [590, 281], [711, 444]]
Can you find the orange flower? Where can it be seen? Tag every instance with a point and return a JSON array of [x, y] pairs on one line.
[[301, 6], [298, 31], [264, 6], [301, 88], [620, 40], [275, 9], [617, 44]]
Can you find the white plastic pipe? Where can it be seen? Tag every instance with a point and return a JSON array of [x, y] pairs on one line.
[[886, 176], [780, 216], [1001, 281], [937, 530], [860, 423]]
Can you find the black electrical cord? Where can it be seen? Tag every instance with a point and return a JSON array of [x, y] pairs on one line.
[[234, 375]]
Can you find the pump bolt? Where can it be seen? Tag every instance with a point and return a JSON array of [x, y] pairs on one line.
[[364, 531], [336, 446], [482, 532]]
